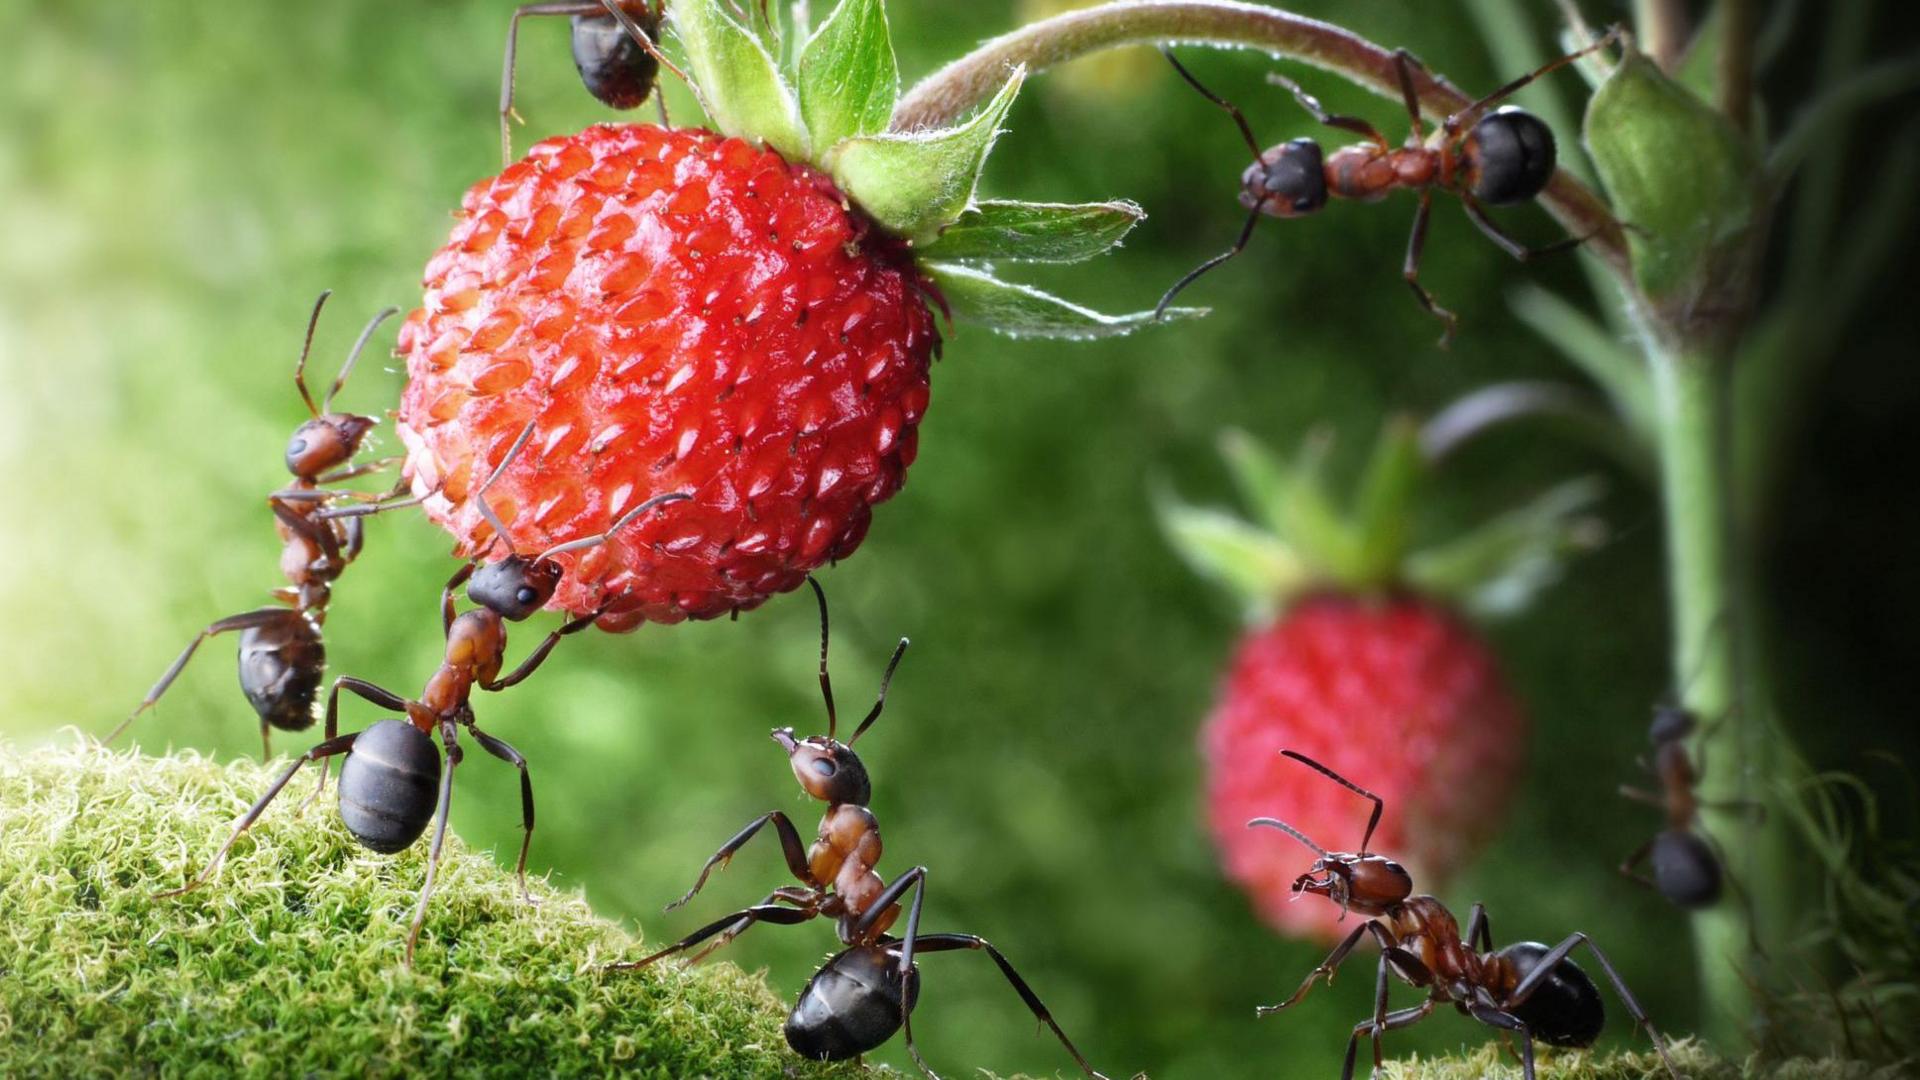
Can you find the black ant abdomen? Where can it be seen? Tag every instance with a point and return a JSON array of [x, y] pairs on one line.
[[1685, 869], [612, 65], [1509, 157], [281, 666], [1565, 1008], [851, 1005], [388, 785]]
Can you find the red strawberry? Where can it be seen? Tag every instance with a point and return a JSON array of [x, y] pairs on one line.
[[676, 311], [1357, 661]]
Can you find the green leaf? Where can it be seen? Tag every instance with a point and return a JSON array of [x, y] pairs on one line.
[[915, 183], [738, 82], [1499, 567], [1022, 311], [847, 75], [1036, 232], [1250, 563]]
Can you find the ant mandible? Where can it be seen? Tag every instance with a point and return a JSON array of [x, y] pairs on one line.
[[388, 782], [1487, 158], [1528, 989], [613, 49], [1685, 869], [282, 654], [865, 993]]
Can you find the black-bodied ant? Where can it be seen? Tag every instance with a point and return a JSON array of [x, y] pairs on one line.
[[282, 655], [388, 782], [1685, 868], [865, 993], [1487, 158], [1528, 989], [613, 49]]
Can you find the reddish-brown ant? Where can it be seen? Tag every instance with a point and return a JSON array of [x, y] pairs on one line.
[[1487, 158], [613, 49], [865, 993], [1528, 989], [282, 655], [1685, 869], [388, 782]]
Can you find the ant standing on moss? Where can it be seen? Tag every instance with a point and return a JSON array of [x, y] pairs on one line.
[[865, 993], [388, 782], [1528, 989], [282, 654], [1486, 158]]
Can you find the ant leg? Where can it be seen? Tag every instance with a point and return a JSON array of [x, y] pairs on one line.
[[325, 750], [507, 113], [790, 845], [1239, 245], [1507, 243], [450, 734], [343, 475], [505, 752], [1403, 65], [245, 621], [1239, 118], [539, 656], [647, 45], [1393, 1021], [1466, 117], [1416, 244], [1506, 1021], [759, 913], [318, 533], [1312, 105], [1479, 931], [799, 898], [1328, 966], [1559, 952], [1640, 795], [447, 594], [1627, 867], [933, 943]]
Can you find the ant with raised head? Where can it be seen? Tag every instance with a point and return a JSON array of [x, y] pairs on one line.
[[388, 782], [613, 49], [282, 655], [1485, 156], [1526, 988], [1685, 868], [864, 994]]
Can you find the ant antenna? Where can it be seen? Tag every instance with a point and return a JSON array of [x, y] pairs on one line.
[[621, 523], [645, 42], [1239, 118], [1246, 234], [1378, 806], [1276, 823], [300, 369], [880, 702], [826, 681], [486, 508], [346, 369]]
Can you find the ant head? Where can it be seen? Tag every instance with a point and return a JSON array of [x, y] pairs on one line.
[[1363, 882], [1286, 181], [1509, 156], [326, 442], [828, 769], [614, 67], [1671, 723]]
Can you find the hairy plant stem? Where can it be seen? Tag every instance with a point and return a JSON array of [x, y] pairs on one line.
[[954, 90]]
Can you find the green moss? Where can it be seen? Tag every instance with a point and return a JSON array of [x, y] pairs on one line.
[[1693, 1061], [290, 961]]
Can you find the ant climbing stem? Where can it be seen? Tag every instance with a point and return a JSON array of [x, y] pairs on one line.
[[1482, 155], [394, 783], [614, 48]]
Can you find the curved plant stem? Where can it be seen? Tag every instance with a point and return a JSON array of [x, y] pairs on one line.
[[958, 88]]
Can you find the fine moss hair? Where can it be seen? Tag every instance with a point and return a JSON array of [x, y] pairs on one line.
[[290, 961]]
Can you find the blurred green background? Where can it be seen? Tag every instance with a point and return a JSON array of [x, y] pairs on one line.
[[177, 181]]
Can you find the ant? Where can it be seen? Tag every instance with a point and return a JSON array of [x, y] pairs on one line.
[[1525, 988], [863, 994], [282, 656], [388, 781], [1487, 158], [1685, 869], [613, 49]]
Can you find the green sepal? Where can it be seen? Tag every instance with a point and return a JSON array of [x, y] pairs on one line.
[[916, 183], [1248, 562], [847, 76], [1036, 232], [1681, 177], [1382, 509], [1498, 567], [739, 83], [1292, 500], [1022, 311]]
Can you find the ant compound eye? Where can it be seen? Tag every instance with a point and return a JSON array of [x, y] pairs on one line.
[[824, 767], [526, 595], [297, 447]]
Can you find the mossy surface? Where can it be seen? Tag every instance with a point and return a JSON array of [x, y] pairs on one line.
[[290, 961], [1694, 1062]]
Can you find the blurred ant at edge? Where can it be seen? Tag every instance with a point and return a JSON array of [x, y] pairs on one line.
[[1526, 989], [613, 49], [1687, 870], [389, 779], [864, 994], [282, 655], [1487, 158]]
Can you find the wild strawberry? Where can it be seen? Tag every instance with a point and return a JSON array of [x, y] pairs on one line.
[[1356, 661], [739, 316]]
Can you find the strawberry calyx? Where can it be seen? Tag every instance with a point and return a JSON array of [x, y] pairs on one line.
[[1302, 541], [825, 96]]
